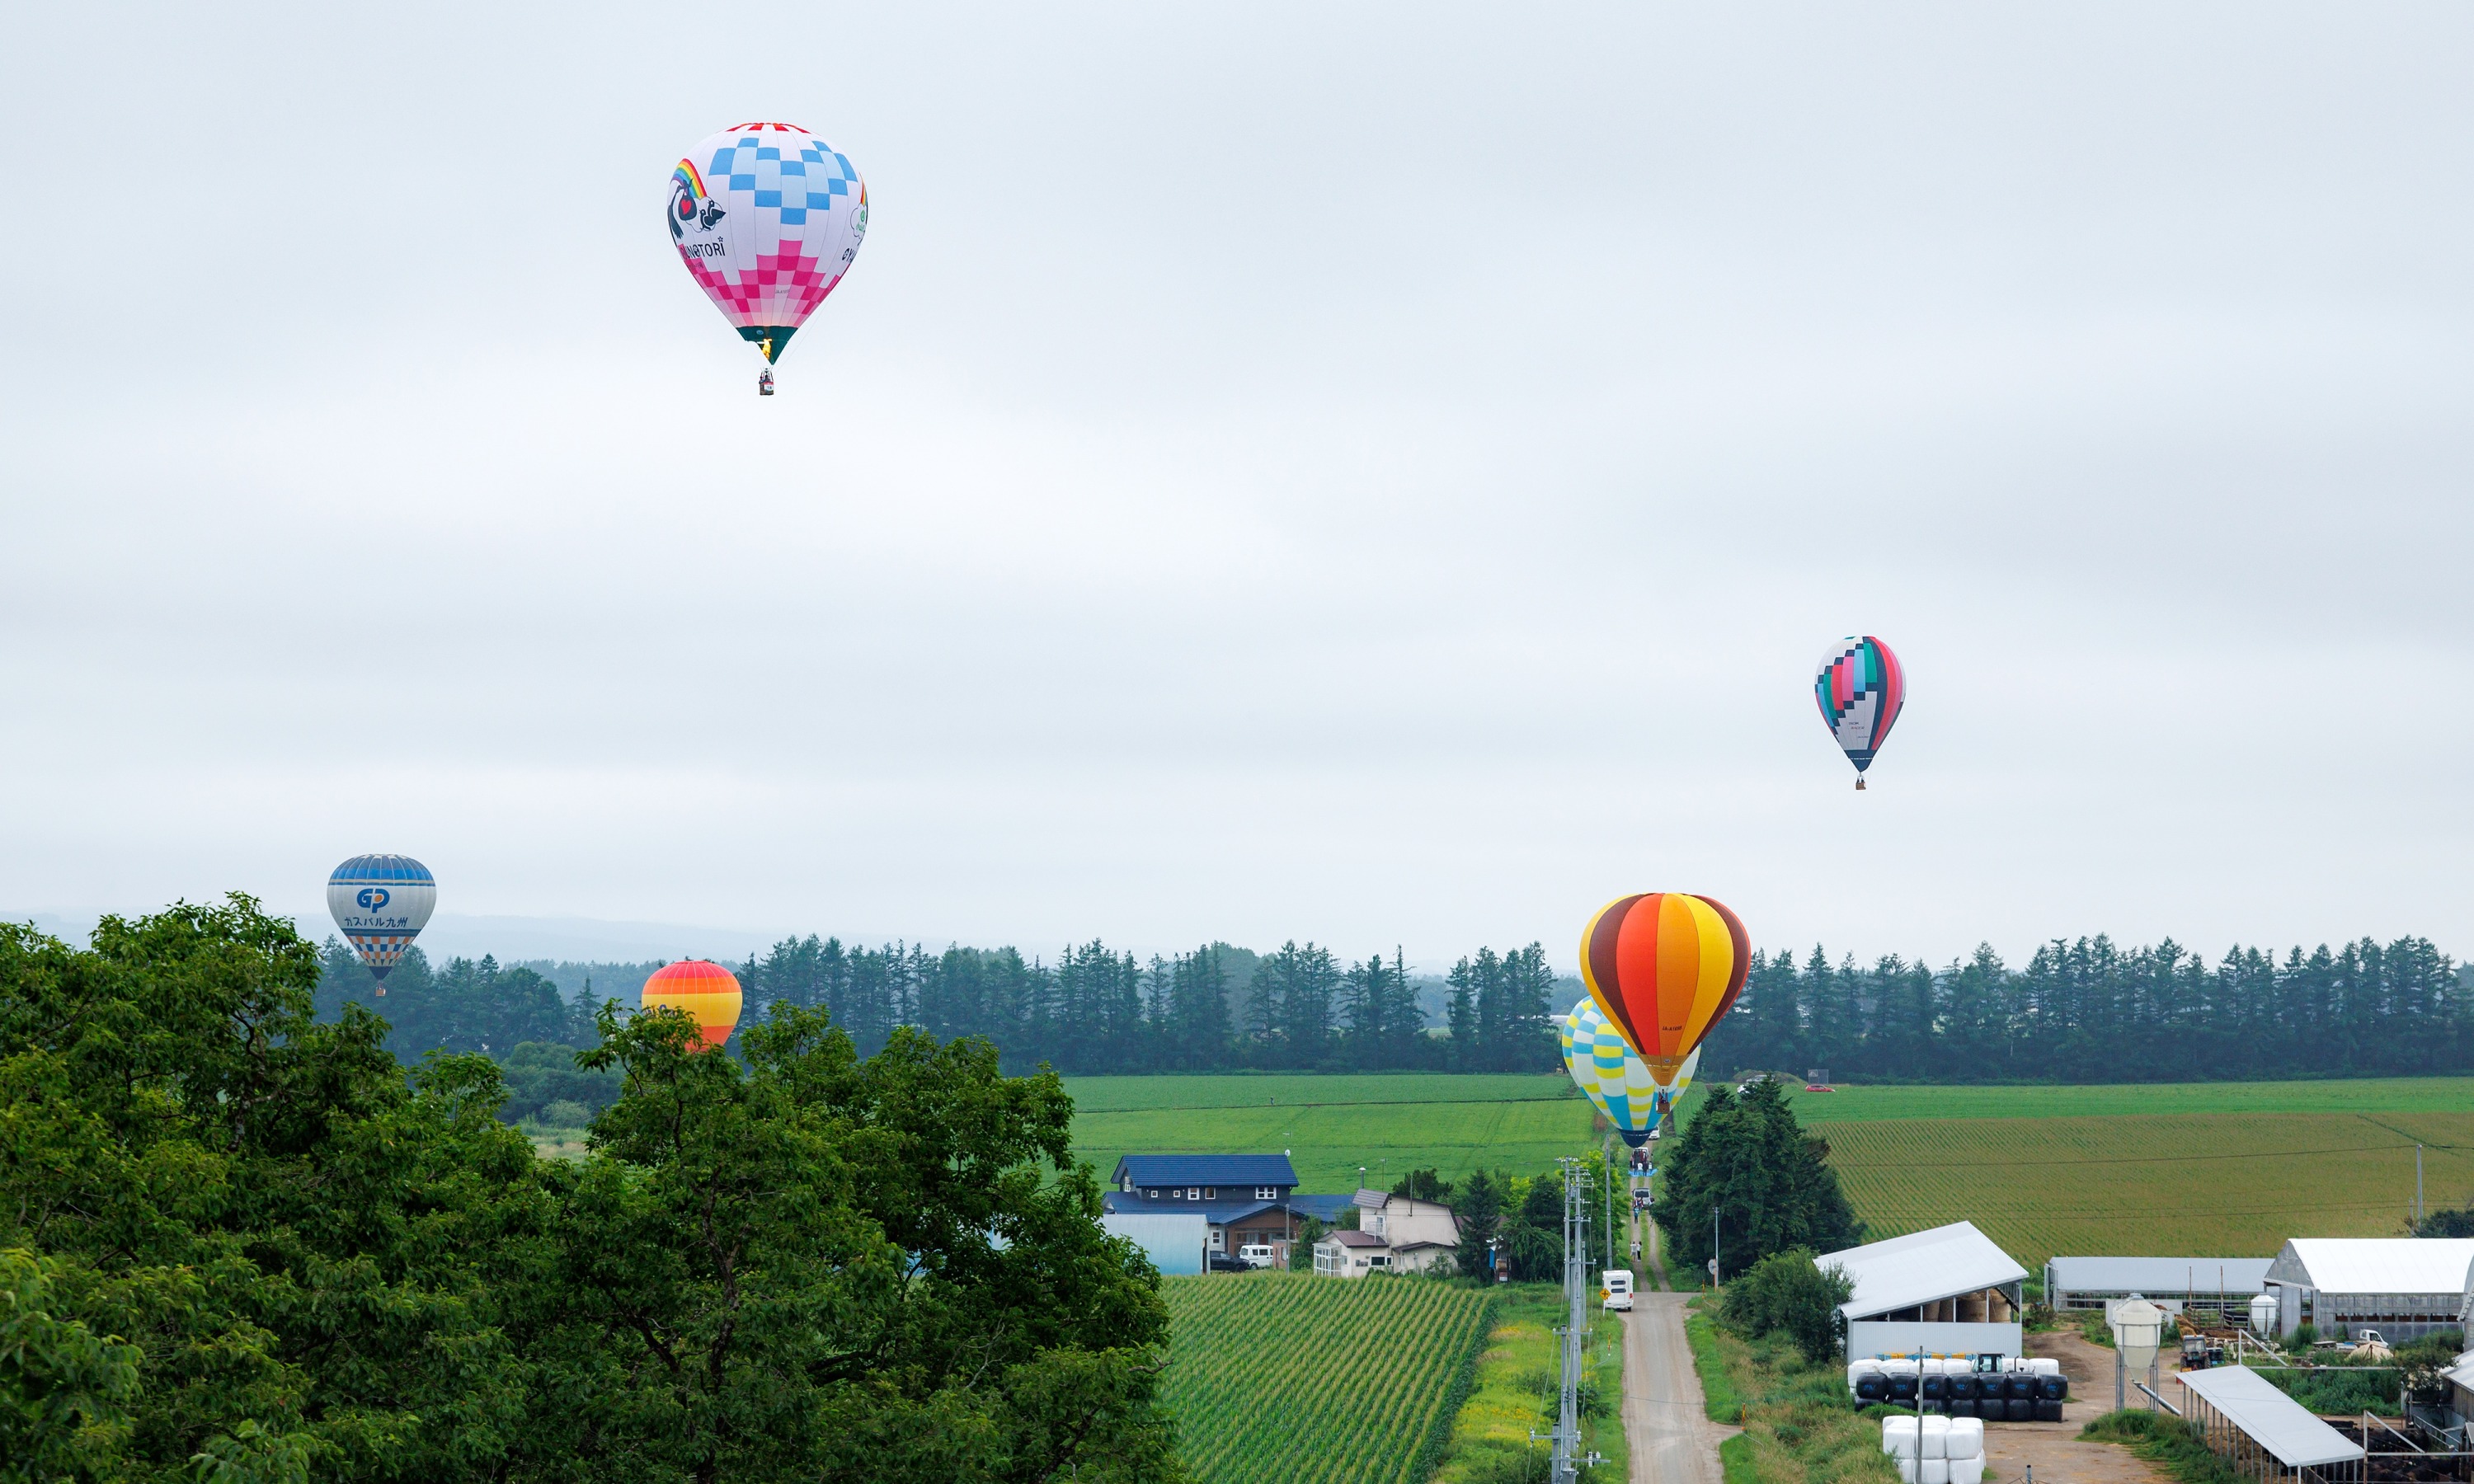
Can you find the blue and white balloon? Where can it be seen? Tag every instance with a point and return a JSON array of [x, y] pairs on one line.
[[1618, 1083], [381, 903]]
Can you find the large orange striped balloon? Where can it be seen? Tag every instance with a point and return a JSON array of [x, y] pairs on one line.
[[704, 990], [1663, 967]]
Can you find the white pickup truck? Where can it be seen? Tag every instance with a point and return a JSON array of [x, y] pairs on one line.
[[1614, 1289]]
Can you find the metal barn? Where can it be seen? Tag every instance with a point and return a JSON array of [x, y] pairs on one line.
[[1947, 1291], [2219, 1285], [2403, 1287]]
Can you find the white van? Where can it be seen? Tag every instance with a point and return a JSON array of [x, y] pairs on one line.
[[1614, 1289], [1255, 1256]]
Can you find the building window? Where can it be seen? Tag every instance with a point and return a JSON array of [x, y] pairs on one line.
[[1152, 1194], [1211, 1192], [1218, 1240], [1194, 1193], [1267, 1192]]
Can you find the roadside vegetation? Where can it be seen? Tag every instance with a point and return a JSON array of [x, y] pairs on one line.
[[1514, 1389], [1799, 1422]]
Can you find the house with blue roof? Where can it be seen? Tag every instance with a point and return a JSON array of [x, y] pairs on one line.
[[1249, 1199]]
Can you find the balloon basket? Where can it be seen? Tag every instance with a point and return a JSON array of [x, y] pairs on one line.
[[1859, 782], [764, 382]]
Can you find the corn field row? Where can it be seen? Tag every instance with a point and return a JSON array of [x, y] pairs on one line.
[[1308, 1379], [2232, 1184]]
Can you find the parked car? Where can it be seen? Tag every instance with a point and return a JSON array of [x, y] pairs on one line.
[[1222, 1262], [1256, 1256]]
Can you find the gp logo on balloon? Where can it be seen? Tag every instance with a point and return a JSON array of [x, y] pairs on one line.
[[372, 898]]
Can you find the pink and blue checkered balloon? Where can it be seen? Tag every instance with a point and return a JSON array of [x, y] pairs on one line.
[[767, 218]]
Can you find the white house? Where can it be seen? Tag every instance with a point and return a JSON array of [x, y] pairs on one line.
[[1394, 1235], [2403, 1287], [1417, 1235], [1947, 1291], [1347, 1254]]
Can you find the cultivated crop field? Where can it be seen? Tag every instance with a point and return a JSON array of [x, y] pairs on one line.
[[1389, 1123], [1304, 1379], [2224, 1168]]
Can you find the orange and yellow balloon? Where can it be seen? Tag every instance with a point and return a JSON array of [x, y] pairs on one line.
[[704, 990], [1664, 968]]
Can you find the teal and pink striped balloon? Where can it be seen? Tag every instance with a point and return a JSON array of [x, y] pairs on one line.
[[1860, 688]]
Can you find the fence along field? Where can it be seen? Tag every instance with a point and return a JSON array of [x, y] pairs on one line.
[[1304, 1379]]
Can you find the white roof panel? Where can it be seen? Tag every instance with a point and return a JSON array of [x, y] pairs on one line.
[[2160, 1275], [1921, 1267], [2275, 1421], [2376, 1264]]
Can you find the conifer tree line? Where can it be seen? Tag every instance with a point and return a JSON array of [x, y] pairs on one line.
[[1303, 1008], [2092, 1011], [2360, 1010]]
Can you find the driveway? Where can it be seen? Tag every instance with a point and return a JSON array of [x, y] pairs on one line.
[[1672, 1440]]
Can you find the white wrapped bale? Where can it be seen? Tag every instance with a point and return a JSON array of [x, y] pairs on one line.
[[1907, 1470], [1899, 1437], [1935, 1471], [2042, 1365], [1966, 1439], [1936, 1437], [1966, 1470]]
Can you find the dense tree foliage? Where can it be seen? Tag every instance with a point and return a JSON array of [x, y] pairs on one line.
[[1789, 1291], [238, 1242], [1744, 1160], [2074, 1013]]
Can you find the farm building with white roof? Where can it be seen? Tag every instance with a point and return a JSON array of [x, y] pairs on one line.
[[1947, 1291], [2226, 1285], [2403, 1287]]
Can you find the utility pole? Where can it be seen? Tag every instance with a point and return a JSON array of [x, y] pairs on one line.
[[1565, 1465], [2418, 1187]]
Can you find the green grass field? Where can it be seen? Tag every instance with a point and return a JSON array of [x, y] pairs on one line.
[[2220, 1169], [1331, 1125], [1316, 1381]]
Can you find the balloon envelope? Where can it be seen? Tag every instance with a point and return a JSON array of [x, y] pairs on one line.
[[767, 218], [1860, 688], [1664, 967], [704, 990], [1619, 1084], [381, 903]]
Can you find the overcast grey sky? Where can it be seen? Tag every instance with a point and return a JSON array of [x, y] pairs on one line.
[[1381, 475]]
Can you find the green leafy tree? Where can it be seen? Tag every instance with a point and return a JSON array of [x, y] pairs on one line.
[[1744, 1161], [64, 1392], [789, 1264], [1789, 1291]]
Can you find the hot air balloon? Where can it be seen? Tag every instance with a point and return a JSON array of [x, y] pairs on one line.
[[381, 903], [1617, 1081], [704, 990], [1861, 687], [1663, 967], [767, 218]]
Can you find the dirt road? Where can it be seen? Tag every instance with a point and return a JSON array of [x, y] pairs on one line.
[[1672, 1440]]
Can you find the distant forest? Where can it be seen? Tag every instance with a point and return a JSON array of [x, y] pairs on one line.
[[1091, 1010], [2092, 1012], [2081, 1012]]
